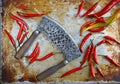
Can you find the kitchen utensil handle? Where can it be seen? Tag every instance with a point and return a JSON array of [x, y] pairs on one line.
[[26, 45], [51, 70]]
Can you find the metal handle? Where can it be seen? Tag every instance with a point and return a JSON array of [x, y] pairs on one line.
[[26, 45], [51, 70]]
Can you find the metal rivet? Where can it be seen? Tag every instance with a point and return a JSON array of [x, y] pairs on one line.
[[37, 32], [66, 62]]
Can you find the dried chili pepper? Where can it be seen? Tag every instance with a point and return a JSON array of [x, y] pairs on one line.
[[22, 7], [91, 51], [94, 26], [84, 26], [97, 30], [36, 56], [19, 19], [95, 55], [24, 15], [100, 71], [92, 69], [89, 23], [10, 37], [105, 9], [23, 37], [80, 8], [20, 31], [20, 25], [112, 39], [103, 41], [72, 71], [107, 21], [112, 61], [84, 40], [100, 19], [34, 51], [90, 10], [86, 55], [46, 56], [19, 34], [108, 42]]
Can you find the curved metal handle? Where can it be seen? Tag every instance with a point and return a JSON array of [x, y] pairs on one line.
[[26, 45]]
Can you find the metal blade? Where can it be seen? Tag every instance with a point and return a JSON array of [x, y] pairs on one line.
[[60, 38]]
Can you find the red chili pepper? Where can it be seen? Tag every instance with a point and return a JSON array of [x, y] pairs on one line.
[[20, 31], [106, 41], [20, 20], [85, 25], [19, 34], [72, 71], [23, 15], [100, 43], [20, 25], [91, 51], [112, 61], [92, 69], [86, 55], [112, 39], [97, 30], [23, 37], [84, 40], [10, 37], [80, 8], [100, 19], [22, 7], [103, 41], [100, 71], [90, 10], [34, 51], [46, 56], [36, 56], [95, 55], [105, 9]]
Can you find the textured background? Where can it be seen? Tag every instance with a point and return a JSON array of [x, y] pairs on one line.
[[41, 82], [0, 36]]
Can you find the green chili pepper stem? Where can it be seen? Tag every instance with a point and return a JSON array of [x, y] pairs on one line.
[[96, 80], [57, 53], [15, 48], [24, 56], [18, 44], [28, 65]]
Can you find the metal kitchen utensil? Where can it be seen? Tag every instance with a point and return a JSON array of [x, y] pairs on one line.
[[59, 37]]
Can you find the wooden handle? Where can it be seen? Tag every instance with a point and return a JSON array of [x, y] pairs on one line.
[[51, 70], [26, 45]]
